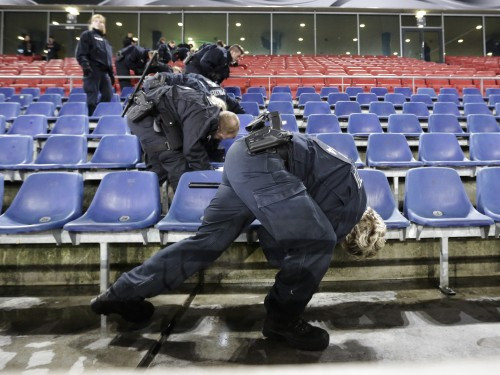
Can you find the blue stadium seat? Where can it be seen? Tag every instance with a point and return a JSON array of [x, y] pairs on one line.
[[115, 99], [422, 98], [77, 90], [353, 91], [15, 150], [277, 89], [82, 97], [289, 122], [318, 108], [482, 123], [225, 145], [115, 151], [112, 124], [251, 108], [23, 99], [135, 198], [476, 109], [345, 109], [45, 201], [2, 98], [492, 91], [493, 100], [258, 89], [419, 109], [448, 91], [61, 151], [51, 98], [335, 97], [382, 109], [363, 124], [406, 124], [322, 124], [33, 91], [448, 98], [281, 107], [75, 108], [343, 143], [41, 108], [427, 91], [406, 91], [442, 149], [325, 91], [379, 91], [305, 90], [497, 110], [446, 108], [487, 197], [1, 191], [308, 97], [70, 124], [29, 125], [7, 91], [365, 98], [10, 110], [389, 150], [55, 90], [254, 97], [380, 198], [245, 119], [189, 203], [2, 124], [236, 90], [280, 97], [107, 109], [484, 147], [471, 91], [472, 98], [397, 99], [126, 91], [445, 123]]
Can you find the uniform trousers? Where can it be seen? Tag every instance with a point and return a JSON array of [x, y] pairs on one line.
[[95, 82]]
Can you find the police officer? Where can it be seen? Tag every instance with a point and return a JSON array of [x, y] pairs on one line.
[[197, 82], [94, 54], [135, 58], [182, 132], [307, 197], [213, 61]]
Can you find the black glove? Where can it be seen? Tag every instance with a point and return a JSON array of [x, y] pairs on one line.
[[87, 70]]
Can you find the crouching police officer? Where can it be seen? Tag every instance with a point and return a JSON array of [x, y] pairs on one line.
[[307, 197], [180, 130]]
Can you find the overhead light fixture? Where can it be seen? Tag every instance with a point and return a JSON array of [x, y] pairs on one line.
[[190, 38], [135, 39], [420, 16], [179, 24], [348, 53], [302, 25], [301, 39], [479, 27], [354, 39], [460, 41], [247, 52], [77, 38], [362, 25], [55, 23], [238, 24], [489, 54], [119, 24], [299, 53], [20, 37], [395, 53], [408, 40], [242, 38], [72, 10]]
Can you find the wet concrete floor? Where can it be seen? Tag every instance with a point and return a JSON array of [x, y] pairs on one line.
[[52, 329]]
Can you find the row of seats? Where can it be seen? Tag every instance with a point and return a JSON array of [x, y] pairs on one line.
[[36, 93]]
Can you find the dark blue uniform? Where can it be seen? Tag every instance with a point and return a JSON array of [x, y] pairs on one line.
[[212, 62], [305, 205], [94, 54]]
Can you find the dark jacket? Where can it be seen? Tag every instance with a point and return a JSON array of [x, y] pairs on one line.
[[26, 48], [52, 50], [164, 54], [93, 50], [212, 62]]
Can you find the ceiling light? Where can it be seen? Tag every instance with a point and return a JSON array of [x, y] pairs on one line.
[[72, 10], [301, 39], [298, 52], [302, 25], [247, 52], [119, 24], [179, 24], [395, 53], [460, 41], [77, 38], [135, 39], [408, 40], [354, 39], [242, 38], [20, 37], [55, 23], [420, 26], [489, 54], [348, 53], [479, 27], [420, 13], [362, 25], [190, 38], [238, 24]]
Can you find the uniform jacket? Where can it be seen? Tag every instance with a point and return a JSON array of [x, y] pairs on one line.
[[212, 62], [93, 50]]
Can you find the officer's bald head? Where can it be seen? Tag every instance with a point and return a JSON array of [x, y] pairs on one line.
[[229, 125]]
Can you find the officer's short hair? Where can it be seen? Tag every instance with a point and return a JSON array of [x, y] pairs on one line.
[[229, 123], [235, 47], [367, 237]]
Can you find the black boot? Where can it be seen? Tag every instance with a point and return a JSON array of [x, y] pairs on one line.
[[298, 334], [132, 311]]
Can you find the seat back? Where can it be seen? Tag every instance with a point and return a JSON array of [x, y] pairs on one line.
[[395, 98], [7, 91], [111, 124], [63, 149], [485, 147], [281, 107], [471, 91], [406, 91], [123, 149], [378, 192], [1, 192], [251, 108], [404, 123], [416, 108], [305, 90], [347, 108], [422, 98], [23, 99], [325, 91], [494, 99], [476, 109], [15, 149], [236, 90], [51, 98], [75, 108], [353, 91], [41, 108], [289, 122], [258, 89], [472, 98], [482, 123], [29, 125], [382, 109], [309, 97], [487, 197], [439, 147], [33, 91], [335, 97], [245, 119], [253, 97], [2, 124], [447, 98], [71, 124], [446, 108], [126, 91], [388, 148], [280, 97], [379, 91], [10, 110], [322, 123], [55, 90], [82, 97], [343, 143], [364, 123], [427, 91], [285, 89], [365, 98], [318, 107], [444, 123], [448, 91], [108, 109]]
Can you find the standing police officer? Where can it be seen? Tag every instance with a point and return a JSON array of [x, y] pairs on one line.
[[213, 61], [307, 197], [94, 54]]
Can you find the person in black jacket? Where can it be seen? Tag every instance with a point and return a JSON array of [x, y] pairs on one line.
[[213, 61], [183, 131], [26, 48], [94, 54], [52, 48]]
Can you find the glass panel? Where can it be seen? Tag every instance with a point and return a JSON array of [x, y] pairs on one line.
[[117, 27], [492, 33], [204, 28], [254, 28], [463, 36], [412, 44], [157, 25], [430, 21], [432, 46], [293, 34], [18, 24], [336, 34], [379, 35], [67, 38], [62, 18]]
